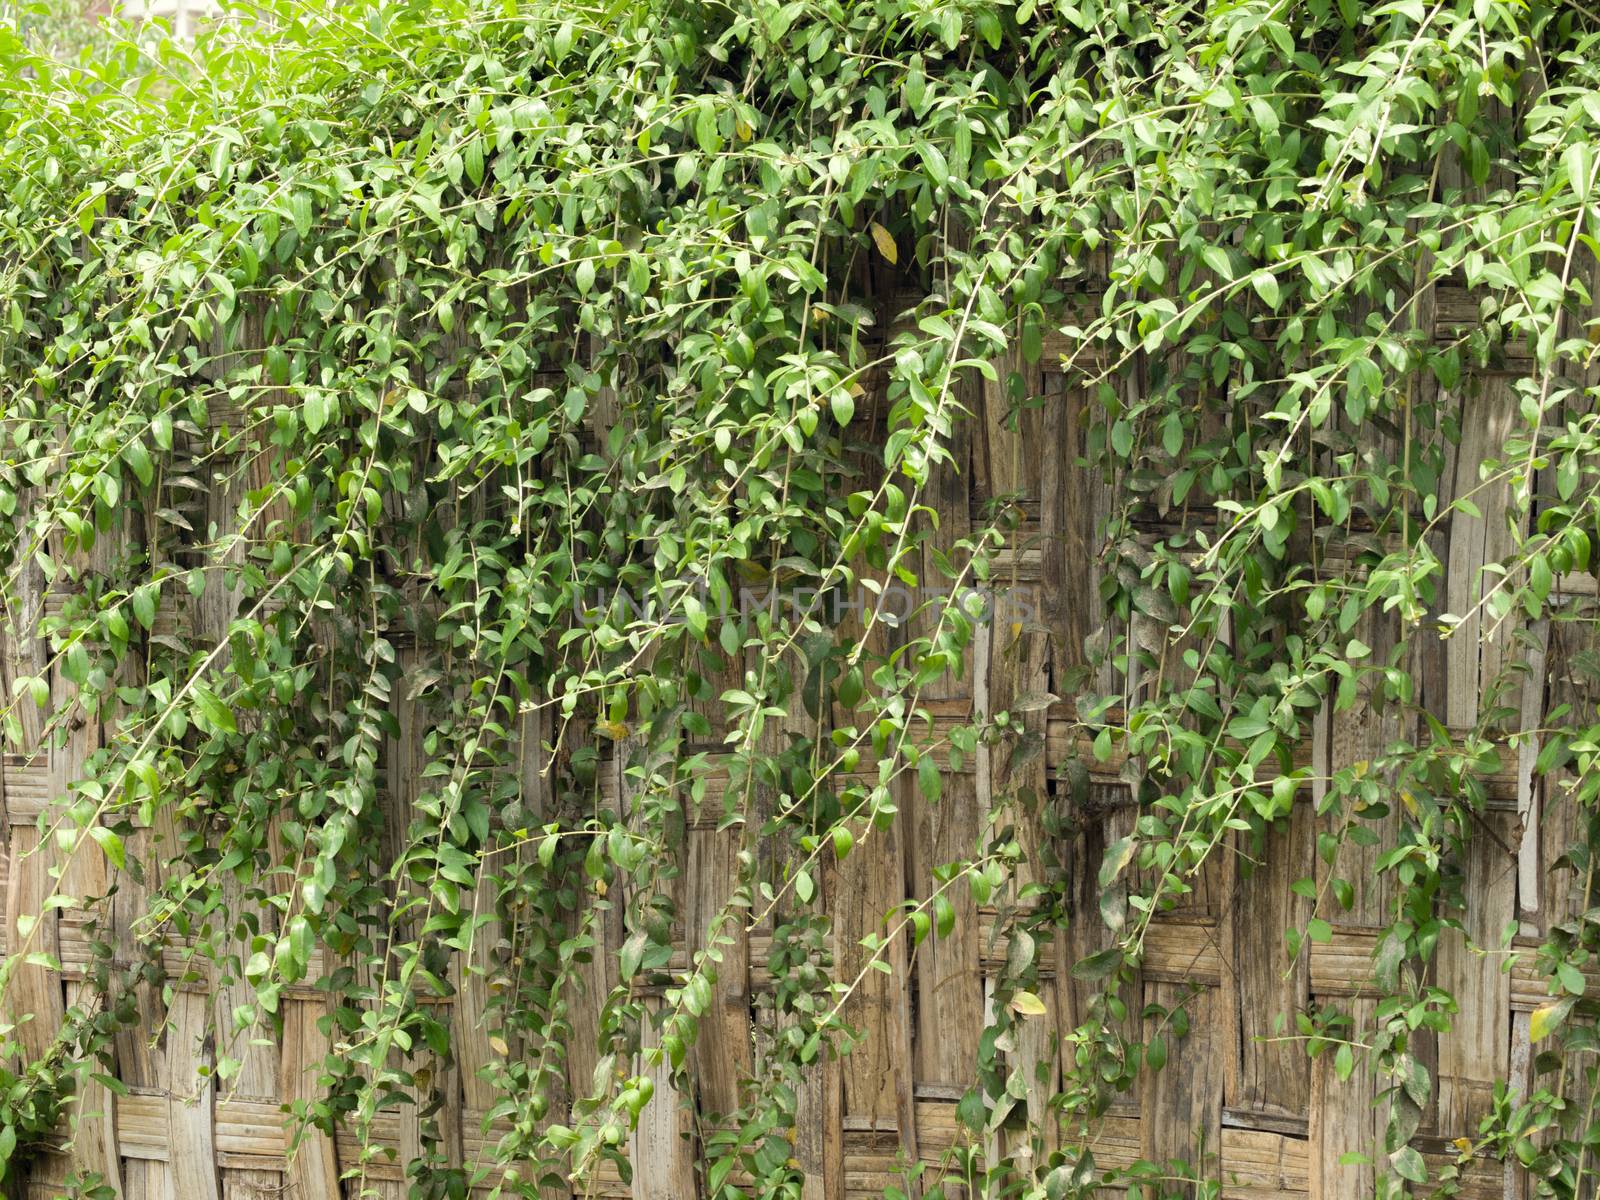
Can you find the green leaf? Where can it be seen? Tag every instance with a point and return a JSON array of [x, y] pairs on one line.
[[695, 615], [1172, 434], [1216, 258], [1155, 1054], [1032, 341], [217, 714], [144, 604], [632, 954], [138, 458], [933, 159], [843, 842], [1122, 438], [1409, 1165], [1098, 965], [315, 410], [1344, 1062], [1578, 159], [843, 405], [110, 844], [1266, 285], [850, 688]]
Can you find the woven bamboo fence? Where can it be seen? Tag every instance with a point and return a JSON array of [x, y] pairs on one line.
[[1257, 1113]]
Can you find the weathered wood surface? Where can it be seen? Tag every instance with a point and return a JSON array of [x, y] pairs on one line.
[[1237, 1097]]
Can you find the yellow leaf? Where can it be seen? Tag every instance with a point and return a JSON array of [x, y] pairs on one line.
[[1544, 1020], [884, 241], [742, 129], [498, 1044], [1463, 1146], [1028, 1004], [1410, 801], [1130, 847]]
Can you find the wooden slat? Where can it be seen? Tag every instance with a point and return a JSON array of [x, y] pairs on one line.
[[1263, 986]]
